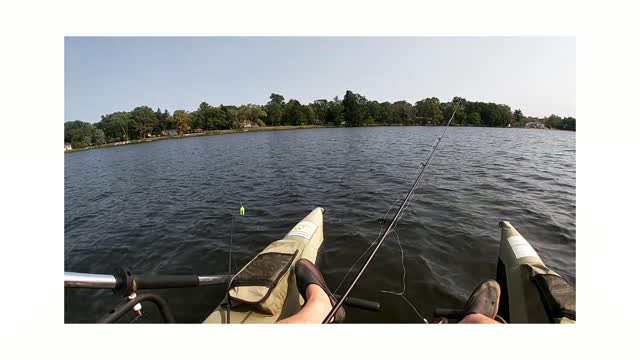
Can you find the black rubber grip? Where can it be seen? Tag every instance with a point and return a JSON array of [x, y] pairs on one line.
[[165, 281], [360, 303]]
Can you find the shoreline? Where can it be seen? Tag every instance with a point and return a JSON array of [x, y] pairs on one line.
[[204, 133], [243, 130]]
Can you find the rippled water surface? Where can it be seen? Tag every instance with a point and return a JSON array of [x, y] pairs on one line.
[[165, 207]]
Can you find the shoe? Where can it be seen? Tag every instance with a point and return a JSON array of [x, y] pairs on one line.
[[306, 274], [484, 300]]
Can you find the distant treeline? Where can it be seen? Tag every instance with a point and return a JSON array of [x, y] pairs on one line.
[[352, 110]]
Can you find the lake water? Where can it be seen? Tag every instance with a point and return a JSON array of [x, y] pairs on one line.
[[165, 207]]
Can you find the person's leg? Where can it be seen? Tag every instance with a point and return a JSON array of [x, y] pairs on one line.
[[477, 319], [318, 298], [315, 309]]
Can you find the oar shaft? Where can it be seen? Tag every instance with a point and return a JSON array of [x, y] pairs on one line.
[[100, 281], [96, 281]]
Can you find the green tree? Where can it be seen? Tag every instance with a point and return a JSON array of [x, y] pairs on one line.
[[217, 119], [402, 113], [428, 111], [518, 118], [461, 113], [553, 121], [233, 115], [143, 121], [556, 122], [294, 113], [310, 115], [167, 121], [208, 117], [162, 120], [569, 123], [199, 118], [115, 126], [474, 119], [252, 113], [491, 114], [446, 108], [275, 110], [321, 108], [98, 137], [78, 133], [505, 116], [183, 121], [385, 116], [335, 112], [372, 112], [355, 108]]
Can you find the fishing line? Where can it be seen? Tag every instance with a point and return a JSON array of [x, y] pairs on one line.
[[230, 245], [384, 219], [404, 283], [229, 274], [235, 266], [404, 270], [394, 221], [242, 212]]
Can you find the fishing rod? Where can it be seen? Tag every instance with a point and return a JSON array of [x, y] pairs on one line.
[[394, 221]]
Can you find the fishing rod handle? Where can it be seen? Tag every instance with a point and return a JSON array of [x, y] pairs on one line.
[[360, 303]]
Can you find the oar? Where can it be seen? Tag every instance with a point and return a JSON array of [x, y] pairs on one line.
[[100, 281], [140, 282]]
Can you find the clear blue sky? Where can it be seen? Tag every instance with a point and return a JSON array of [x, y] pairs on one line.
[[104, 75]]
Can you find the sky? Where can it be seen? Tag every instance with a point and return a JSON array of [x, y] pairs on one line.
[[105, 75]]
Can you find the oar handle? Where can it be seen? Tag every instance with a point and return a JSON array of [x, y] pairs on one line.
[[165, 281]]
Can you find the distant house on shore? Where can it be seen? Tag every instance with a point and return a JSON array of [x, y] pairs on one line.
[[248, 124], [197, 131], [169, 132], [67, 146], [534, 125]]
